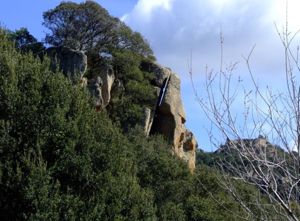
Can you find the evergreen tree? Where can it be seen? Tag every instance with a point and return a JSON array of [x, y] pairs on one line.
[[88, 27], [55, 149], [25, 42]]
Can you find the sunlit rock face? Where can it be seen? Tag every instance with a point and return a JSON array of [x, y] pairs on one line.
[[169, 117], [100, 86], [108, 78]]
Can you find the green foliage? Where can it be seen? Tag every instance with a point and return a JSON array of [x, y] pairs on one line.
[[133, 41], [255, 199], [205, 158], [126, 65], [41, 191], [87, 26], [78, 26], [127, 109], [178, 194], [25, 42], [60, 160], [213, 198], [125, 113]]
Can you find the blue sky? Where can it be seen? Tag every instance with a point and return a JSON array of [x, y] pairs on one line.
[[28, 13], [177, 28]]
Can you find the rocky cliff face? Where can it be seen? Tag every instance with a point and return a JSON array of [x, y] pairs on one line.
[[167, 118], [74, 65]]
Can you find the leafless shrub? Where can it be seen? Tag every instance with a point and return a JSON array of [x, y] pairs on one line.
[[247, 156]]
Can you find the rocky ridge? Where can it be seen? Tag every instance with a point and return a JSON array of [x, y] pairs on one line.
[[167, 118]]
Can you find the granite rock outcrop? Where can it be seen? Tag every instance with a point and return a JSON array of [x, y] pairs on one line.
[[167, 118]]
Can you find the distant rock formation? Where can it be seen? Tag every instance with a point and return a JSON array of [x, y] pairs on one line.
[[254, 144]]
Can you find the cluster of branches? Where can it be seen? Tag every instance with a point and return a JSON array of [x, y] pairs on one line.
[[273, 169], [89, 27]]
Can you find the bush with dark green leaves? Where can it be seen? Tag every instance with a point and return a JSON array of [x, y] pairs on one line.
[[62, 160], [25, 42]]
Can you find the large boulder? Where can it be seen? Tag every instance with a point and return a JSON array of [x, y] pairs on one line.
[[188, 150], [171, 102], [71, 62], [170, 117], [74, 65]]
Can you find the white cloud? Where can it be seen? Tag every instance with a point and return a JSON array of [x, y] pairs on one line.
[[174, 28], [144, 9], [278, 13]]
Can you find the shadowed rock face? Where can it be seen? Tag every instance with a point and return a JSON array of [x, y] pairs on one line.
[[189, 149], [147, 122], [100, 68], [72, 63]]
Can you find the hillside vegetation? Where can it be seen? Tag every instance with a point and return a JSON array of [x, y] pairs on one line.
[[61, 159]]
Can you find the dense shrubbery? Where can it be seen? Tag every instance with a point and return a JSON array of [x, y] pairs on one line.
[[61, 160], [138, 94]]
